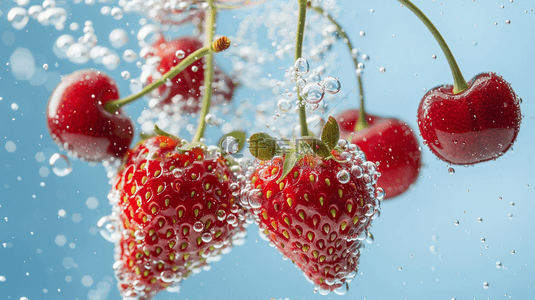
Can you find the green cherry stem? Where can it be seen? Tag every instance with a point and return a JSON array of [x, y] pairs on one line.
[[361, 123], [299, 37], [113, 106], [459, 84], [208, 71]]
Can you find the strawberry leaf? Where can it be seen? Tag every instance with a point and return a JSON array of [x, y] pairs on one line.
[[290, 160], [263, 146], [230, 145], [315, 145], [330, 133], [192, 145]]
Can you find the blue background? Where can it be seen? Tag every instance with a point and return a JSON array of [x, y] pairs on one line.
[[399, 264]]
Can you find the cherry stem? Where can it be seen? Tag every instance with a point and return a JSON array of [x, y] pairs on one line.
[[361, 123], [208, 72], [216, 46], [300, 35], [459, 84]]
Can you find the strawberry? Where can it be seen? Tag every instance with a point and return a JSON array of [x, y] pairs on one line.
[[316, 207], [176, 212]]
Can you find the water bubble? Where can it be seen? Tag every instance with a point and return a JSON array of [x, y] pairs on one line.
[[301, 67], [78, 53], [117, 13], [129, 55], [331, 85], [498, 264], [194, 68], [125, 74], [512, 204], [198, 226], [485, 285], [284, 105], [483, 239], [313, 93], [61, 165], [479, 219], [451, 171], [301, 83], [434, 57], [513, 251], [148, 34], [342, 290], [343, 176], [382, 69], [456, 222], [111, 61], [255, 198], [206, 237], [18, 17], [380, 193], [510, 216], [221, 215], [370, 238], [230, 145], [231, 219], [362, 33], [109, 229], [356, 171], [180, 54], [34, 11], [507, 22], [45, 66], [167, 276], [118, 38]]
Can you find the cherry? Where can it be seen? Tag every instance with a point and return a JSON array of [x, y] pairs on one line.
[[468, 122], [78, 121], [477, 125], [185, 88], [389, 142]]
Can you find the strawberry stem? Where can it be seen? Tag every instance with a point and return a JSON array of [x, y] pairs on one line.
[[460, 84], [361, 123], [113, 106], [300, 35], [208, 71]]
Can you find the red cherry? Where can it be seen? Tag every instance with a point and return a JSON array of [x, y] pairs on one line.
[[473, 126], [185, 87], [391, 143], [78, 121]]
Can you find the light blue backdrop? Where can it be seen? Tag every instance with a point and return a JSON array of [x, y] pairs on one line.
[[50, 247]]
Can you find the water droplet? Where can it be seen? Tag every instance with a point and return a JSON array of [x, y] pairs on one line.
[[456, 222], [370, 238], [382, 69], [434, 57], [198, 226], [125, 74], [255, 198], [221, 215], [301, 67], [483, 239], [194, 68], [61, 165], [109, 229], [479, 219], [513, 251], [331, 85], [507, 22], [512, 204], [180, 54], [356, 171], [313, 93], [510, 216], [343, 176], [498, 264], [301, 83], [451, 170], [485, 285], [362, 33], [231, 219]]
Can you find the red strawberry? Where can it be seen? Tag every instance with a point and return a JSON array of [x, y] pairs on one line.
[[476, 125], [389, 142], [319, 212], [178, 212], [185, 88], [78, 121]]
